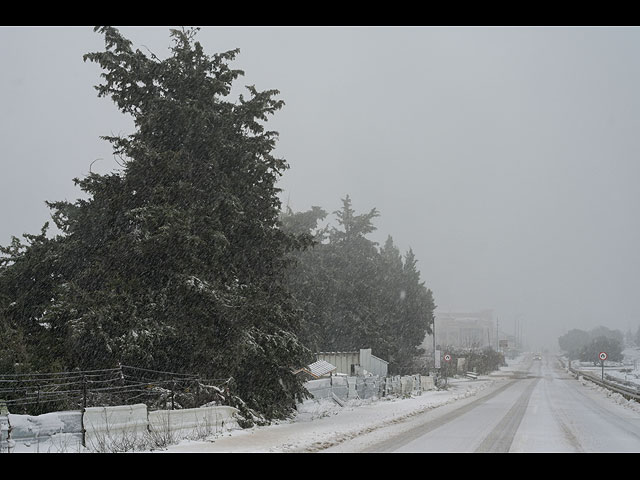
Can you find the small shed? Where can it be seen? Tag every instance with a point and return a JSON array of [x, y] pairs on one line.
[[362, 362]]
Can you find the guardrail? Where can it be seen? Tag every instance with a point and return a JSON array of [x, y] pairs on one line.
[[629, 393]]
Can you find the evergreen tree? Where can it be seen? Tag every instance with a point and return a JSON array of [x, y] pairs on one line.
[[407, 308], [177, 262], [355, 295], [30, 272], [307, 275], [602, 331], [416, 314], [392, 294], [333, 282], [573, 342], [352, 259], [610, 345]]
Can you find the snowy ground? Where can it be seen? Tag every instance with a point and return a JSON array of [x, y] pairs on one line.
[[325, 426], [321, 425], [627, 370]]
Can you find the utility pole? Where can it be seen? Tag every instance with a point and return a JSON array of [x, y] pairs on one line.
[[433, 331], [436, 353]]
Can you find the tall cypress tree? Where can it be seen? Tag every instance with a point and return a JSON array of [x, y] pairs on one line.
[[176, 262], [356, 295]]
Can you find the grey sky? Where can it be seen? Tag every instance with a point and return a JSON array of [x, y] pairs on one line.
[[507, 158]]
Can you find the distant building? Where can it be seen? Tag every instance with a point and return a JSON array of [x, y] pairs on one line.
[[463, 330]]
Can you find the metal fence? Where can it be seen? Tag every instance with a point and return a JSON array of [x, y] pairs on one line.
[[38, 393], [69, 411]]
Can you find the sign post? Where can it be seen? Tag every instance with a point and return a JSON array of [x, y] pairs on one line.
[[445, 370], [602, 356]]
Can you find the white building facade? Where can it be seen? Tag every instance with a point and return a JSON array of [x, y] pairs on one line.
[[463, 330]]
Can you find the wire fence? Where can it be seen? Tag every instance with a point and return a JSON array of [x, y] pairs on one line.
[[37, 393]]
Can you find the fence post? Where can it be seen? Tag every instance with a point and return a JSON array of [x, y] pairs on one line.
[[122, 379], [84, 409], [84, 392]]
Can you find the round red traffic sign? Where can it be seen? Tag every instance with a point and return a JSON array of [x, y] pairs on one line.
[[602, 356], [447, 357]]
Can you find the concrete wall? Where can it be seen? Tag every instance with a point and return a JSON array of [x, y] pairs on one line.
[[4, 433], [109, 429], [54, 432], [193, 422], [104, 426]]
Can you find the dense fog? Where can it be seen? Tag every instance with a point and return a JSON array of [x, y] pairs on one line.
[[505, 158]]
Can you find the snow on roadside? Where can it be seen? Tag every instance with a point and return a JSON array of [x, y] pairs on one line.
[[322, 424], [319, 425], [614, 396], [629, 371]]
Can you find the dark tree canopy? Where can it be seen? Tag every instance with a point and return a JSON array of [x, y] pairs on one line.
[[585, 346], [355, 294], [175, 262], [183, 261]]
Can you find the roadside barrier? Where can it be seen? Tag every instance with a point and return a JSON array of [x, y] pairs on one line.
[[109, 429], [628, 392]]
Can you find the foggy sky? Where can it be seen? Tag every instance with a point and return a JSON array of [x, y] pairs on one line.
[[506, 158]]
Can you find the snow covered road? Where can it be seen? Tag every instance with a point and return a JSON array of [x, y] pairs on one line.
[[530, 407], [545, 410]]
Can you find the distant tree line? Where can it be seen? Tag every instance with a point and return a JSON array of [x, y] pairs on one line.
[[586, 345], [183, 260], [635, 338], [479, 360]]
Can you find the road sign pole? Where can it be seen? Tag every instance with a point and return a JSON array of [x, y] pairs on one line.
[[602, 356], [447, 359]]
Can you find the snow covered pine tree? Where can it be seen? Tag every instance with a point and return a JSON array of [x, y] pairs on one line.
[[176, 262]]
